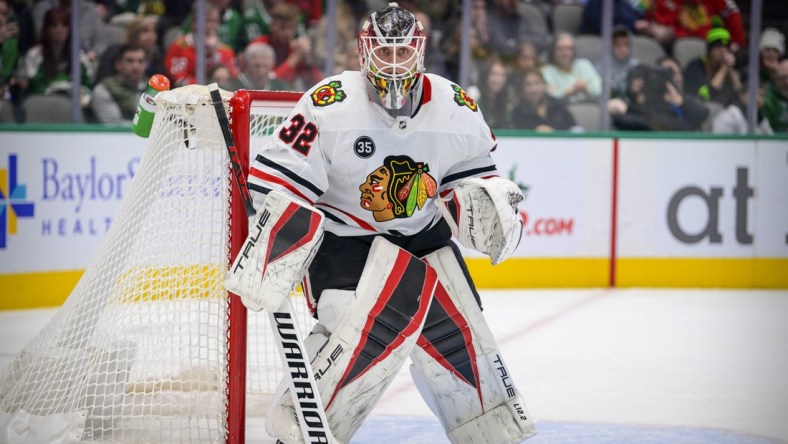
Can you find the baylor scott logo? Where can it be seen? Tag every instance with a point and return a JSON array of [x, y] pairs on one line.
[[13, 201]]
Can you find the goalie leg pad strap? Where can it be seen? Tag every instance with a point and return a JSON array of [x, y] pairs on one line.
[[463, 376], [374, 336], [273, 259]]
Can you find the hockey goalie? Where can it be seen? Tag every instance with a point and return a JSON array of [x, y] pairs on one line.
[[388, 164]]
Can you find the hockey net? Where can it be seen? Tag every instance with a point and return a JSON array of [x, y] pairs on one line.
[[149, 347]]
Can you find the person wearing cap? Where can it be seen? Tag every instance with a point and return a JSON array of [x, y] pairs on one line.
[[712, 76], [775, 103], [771, 48]]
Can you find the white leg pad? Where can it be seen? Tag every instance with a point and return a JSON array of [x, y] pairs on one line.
[[463, 377], [371, 340], [506, 423], [332, 306]]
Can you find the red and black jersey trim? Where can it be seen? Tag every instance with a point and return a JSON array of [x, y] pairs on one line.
[[426, 95], [325, 208], [397, 315], [258, 188], [289, 174], [448, 339], [467, 173], [332, 217]]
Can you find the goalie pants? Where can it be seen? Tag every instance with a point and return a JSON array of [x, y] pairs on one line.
[[339, 261]]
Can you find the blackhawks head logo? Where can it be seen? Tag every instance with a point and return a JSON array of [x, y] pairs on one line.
[[397, 188], [328, 94], [463, 99]]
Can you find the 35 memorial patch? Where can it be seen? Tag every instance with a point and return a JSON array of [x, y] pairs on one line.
[[328, 94]]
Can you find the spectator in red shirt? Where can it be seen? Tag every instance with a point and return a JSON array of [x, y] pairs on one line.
[[659, 22], [696, 18], [181, 59], [670, 20], [294, 63]]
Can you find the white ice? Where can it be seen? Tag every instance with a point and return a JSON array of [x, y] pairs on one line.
[[604, 366]]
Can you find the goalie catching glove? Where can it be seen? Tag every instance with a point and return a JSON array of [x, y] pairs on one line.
[[276, 254], [483, 215]]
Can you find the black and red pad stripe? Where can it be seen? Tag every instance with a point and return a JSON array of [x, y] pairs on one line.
[[295, 227], [454, 209], [398, 314], [448, 339]]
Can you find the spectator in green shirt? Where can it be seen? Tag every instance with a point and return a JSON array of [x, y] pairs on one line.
[[257, 19], [231, 25], [9, 43], [775, 104], [46, 67]]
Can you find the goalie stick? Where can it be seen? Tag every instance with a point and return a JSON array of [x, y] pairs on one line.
[[301, 380]]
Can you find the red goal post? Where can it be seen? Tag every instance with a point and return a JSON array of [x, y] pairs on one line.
[[253, 116]]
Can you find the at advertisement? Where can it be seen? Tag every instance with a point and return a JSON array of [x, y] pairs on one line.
[[703, 198]]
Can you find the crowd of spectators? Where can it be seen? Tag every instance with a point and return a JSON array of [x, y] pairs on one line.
[[526, 71]]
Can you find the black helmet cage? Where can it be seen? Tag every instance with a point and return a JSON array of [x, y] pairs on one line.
[[387, 34]]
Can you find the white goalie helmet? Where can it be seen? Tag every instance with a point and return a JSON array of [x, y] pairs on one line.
[[391, 50]]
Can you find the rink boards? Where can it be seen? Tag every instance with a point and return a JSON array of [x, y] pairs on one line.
[[601, 210]]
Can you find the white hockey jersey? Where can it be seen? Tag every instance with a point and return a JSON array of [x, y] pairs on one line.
[[368, 171]]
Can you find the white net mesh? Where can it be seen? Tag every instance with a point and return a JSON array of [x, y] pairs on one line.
[[138, 352]]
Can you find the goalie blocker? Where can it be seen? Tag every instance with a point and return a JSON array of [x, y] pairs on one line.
[[273, 259]]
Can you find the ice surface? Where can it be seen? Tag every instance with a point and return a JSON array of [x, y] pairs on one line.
[[604, 366]]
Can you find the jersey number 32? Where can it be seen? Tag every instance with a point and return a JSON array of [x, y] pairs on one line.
[[299, 134]]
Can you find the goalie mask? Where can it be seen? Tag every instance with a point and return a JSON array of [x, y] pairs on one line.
[[391, 48]]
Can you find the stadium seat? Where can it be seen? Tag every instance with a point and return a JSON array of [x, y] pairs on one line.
[[535, 17], [170, 36], [714, 109], [40, 108], [6, 112], [116, 34], [589, 47], [122, 19], [646, 49], [567, 17], [686, 49], [586, 115]]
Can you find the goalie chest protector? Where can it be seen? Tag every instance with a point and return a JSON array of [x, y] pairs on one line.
[[384, 173]]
